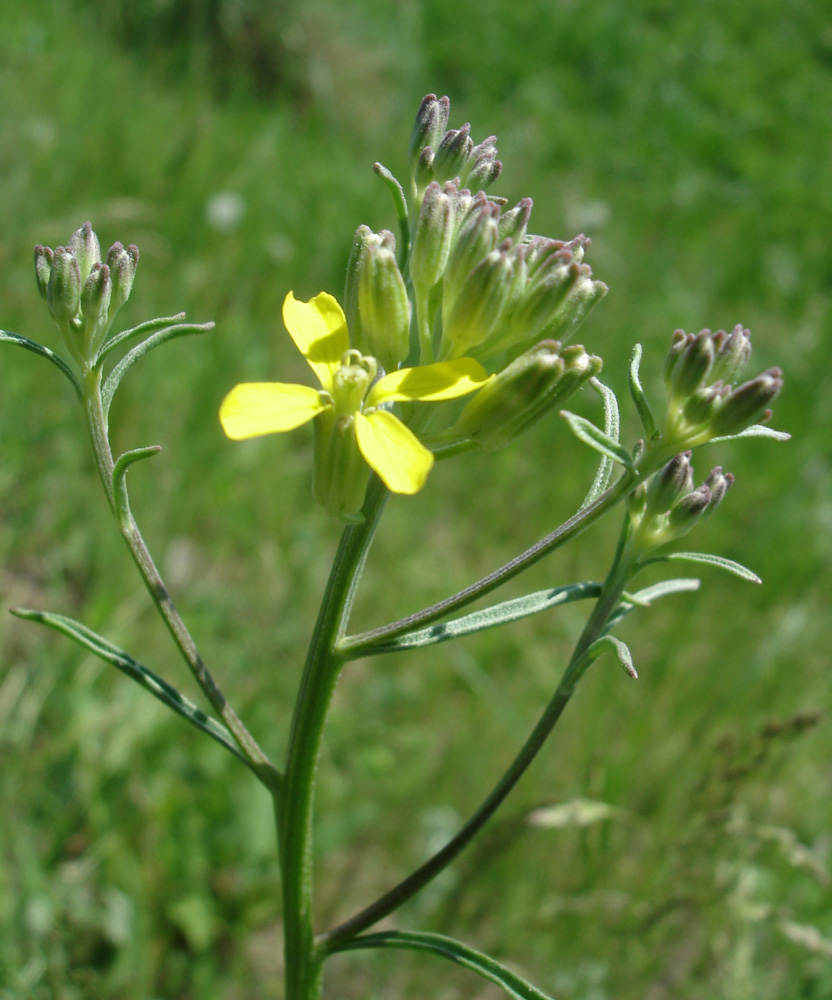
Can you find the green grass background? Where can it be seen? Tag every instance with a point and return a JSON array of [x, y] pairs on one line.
[[692, 143]]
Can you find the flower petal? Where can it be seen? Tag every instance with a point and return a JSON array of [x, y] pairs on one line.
[[444, 380], [319, 330], [254, 408], [393, 451]]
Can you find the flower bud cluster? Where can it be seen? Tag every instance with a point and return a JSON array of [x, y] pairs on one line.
[[84, 292], [667, 506], [703, 400], [438, 153]]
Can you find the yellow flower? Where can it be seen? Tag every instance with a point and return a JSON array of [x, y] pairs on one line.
[[349, 395]]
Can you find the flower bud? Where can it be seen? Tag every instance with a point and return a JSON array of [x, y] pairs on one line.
[[704, 403], [747, 404], [677, 345], [523, 392], [433, 236], [475, 240], [732, 355], [95, 305], [693, 365], [340, 472], [83, 244], [585, 294], [452, 154], [479, 305], [429, 127], [688, 510], [63, 290], [43, 268], [514, 222], [122, 263], [483, 167], [718, 482], [423, 172], [670, 484], [351, 382], [542, 297], [384, 308]]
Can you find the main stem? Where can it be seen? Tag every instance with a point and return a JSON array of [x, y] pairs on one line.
[[303, 959]]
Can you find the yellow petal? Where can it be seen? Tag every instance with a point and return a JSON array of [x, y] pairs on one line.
[[319, 330], [254, 408], [393, 451], [444, 380]]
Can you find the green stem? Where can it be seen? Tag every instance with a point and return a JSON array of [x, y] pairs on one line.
[[303, 958], [97, 423], [392, 900]]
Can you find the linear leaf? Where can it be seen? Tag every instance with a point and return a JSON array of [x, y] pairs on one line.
[[137, 331], [400, 203], [44, 352], [477, 621], [112, 381], [648, 421], [743, 572], [158, 687], [475, 961], [754, 431], [667, 587], [612, 425], [587, 432]]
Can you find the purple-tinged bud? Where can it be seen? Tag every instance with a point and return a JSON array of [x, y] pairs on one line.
[[384, 308], [43, 268], [483, 167], [732, 355], [539, 249], [122, 262], [85, 246], [677, 346], [523, 392], [475, 240], [718, 482], [637, 502], [704, 403], [585, 294], [433, 236], [95, 305], [429, 127], [452, 153], [542, 298], [480, 304], [515, 221], [670, 484], [423, 171], [63, 291], [688, 510], [693, 365], [747, 404]]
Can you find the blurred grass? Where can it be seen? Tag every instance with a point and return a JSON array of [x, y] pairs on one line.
[[692, 144]]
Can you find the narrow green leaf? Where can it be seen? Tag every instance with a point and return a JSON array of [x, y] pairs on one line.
[[120, 472], [158, 687], [477, 621], [612, 425], [665, 588], [621, 650], [44, 352], [137, 331], [400, 203], [112, 381], [648, 421], [754, 431], [743, 572], [587, 432], [475, 961]]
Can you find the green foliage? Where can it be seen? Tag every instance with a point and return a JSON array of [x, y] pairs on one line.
[[689, 143]]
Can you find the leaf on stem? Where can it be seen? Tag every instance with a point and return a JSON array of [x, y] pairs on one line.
[[162, 336], [137, 331], [621, 650], [475, 961], [120, 472], [400, 203], [158, 687], [612, 424], [44, 352], [754, 431], [587, 432], [497, 614], [743, 572], [648, 421]]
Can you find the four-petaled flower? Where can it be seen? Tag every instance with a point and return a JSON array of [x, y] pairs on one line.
[[349, 394]]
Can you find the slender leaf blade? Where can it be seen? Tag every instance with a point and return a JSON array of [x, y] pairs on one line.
[[648, 421], [151, 682], [587, 432], [31, 345], [619, 648], [483, 965], [755, 430], [720, 562], [148, 327], [612, 428]]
